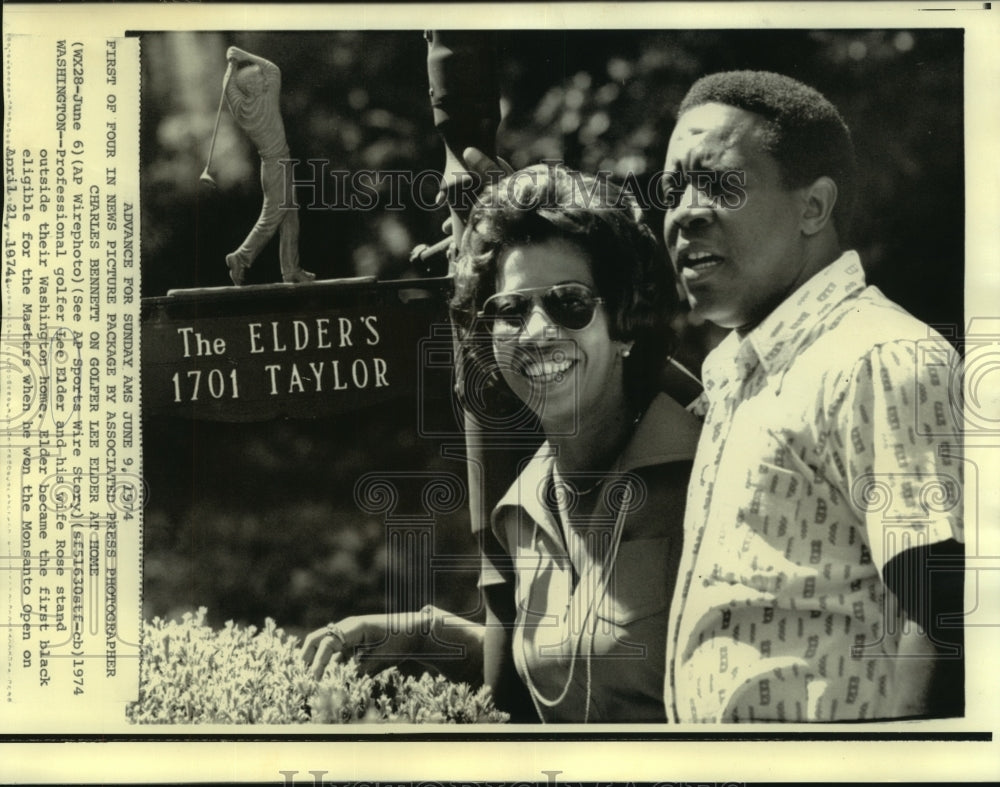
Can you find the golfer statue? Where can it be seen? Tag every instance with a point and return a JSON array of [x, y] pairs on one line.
[[253, 94]]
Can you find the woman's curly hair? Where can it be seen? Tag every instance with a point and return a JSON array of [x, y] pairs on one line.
[[547, 202]]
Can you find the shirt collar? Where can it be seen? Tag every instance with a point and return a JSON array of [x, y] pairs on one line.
[[528, 492], [776, 341], [667, 432]]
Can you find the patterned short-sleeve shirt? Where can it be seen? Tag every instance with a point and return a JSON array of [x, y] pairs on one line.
[[829, 447]]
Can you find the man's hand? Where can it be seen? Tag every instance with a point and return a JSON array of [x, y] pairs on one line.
[[481, 169], [477, 161]]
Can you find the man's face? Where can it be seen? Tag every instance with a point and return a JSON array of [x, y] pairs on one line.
[[737, 258]]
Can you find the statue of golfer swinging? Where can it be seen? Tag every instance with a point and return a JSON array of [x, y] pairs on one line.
[[252, 88]]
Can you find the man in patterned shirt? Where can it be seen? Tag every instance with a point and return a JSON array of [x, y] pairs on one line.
[[828, 472]]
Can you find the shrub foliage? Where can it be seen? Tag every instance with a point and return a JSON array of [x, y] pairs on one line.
[[191, 673]]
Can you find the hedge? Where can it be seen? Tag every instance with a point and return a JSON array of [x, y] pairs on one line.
[[191, 673]]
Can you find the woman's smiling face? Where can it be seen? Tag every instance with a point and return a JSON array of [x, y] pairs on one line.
[[566, 377]]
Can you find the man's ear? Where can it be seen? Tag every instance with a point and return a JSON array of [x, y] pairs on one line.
[[818, 200]]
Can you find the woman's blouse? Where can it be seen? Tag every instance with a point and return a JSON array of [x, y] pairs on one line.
[[592, 590]]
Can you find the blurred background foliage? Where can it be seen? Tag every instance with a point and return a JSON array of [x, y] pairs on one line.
[[255, 520]]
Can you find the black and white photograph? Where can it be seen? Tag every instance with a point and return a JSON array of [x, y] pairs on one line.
[[566, 382], [308, 460]]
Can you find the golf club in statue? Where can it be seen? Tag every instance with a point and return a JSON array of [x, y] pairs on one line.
[[205, 177]]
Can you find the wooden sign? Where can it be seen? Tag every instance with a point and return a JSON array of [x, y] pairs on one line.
[[262, 352]]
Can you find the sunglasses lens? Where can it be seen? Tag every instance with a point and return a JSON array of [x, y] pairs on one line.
[[507, 312], [570, 306]]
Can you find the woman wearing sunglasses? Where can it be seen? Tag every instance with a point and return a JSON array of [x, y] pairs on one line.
[[562, 301]]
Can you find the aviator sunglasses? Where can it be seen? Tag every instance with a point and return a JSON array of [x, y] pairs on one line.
[[571, 306]]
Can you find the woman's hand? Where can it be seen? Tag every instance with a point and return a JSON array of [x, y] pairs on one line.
[[431, 637], [379, 641]]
